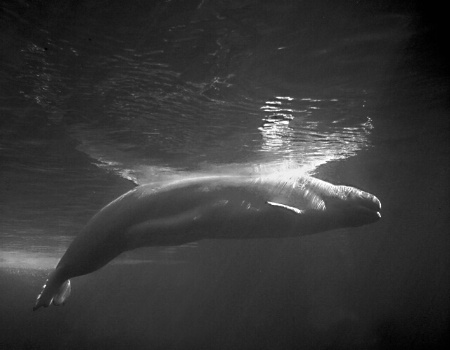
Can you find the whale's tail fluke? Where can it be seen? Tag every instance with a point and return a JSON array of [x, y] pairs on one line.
[[55, 291]]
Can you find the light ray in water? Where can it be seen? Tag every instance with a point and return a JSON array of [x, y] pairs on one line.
[[18, 257]]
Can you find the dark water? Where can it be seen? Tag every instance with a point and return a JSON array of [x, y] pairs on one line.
[[96, 95]]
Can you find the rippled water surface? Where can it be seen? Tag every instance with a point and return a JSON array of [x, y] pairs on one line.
[[98, 96]]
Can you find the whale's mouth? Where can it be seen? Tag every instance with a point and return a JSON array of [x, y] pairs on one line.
[[365, 205], [372, 203], [370, 212], [354, 207]]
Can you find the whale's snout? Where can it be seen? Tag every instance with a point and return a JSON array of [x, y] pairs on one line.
[[367, 200], [365, 205], [354, 207]]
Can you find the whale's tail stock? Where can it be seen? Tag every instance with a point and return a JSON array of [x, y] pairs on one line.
[[55, 291]]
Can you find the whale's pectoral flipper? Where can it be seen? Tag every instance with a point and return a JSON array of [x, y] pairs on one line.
[[54, 291], [287, 207]]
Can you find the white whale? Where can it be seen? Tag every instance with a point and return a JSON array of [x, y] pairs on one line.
[[213, 207]]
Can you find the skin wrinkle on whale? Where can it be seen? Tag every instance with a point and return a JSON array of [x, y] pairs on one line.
[[208, 207]]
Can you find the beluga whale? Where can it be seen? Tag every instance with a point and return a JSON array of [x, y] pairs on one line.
[[177, 212]]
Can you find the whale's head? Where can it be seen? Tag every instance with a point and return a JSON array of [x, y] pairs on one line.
[[321, 206], [350, 207]]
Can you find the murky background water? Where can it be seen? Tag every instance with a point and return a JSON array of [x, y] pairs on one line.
[[97, 95]]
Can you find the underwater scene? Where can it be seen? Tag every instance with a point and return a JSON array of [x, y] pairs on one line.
[[258, 139]]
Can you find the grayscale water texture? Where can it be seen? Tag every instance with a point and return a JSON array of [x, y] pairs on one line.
[[96, 96]]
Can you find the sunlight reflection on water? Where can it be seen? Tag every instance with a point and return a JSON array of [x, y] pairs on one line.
[[292, 130]]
